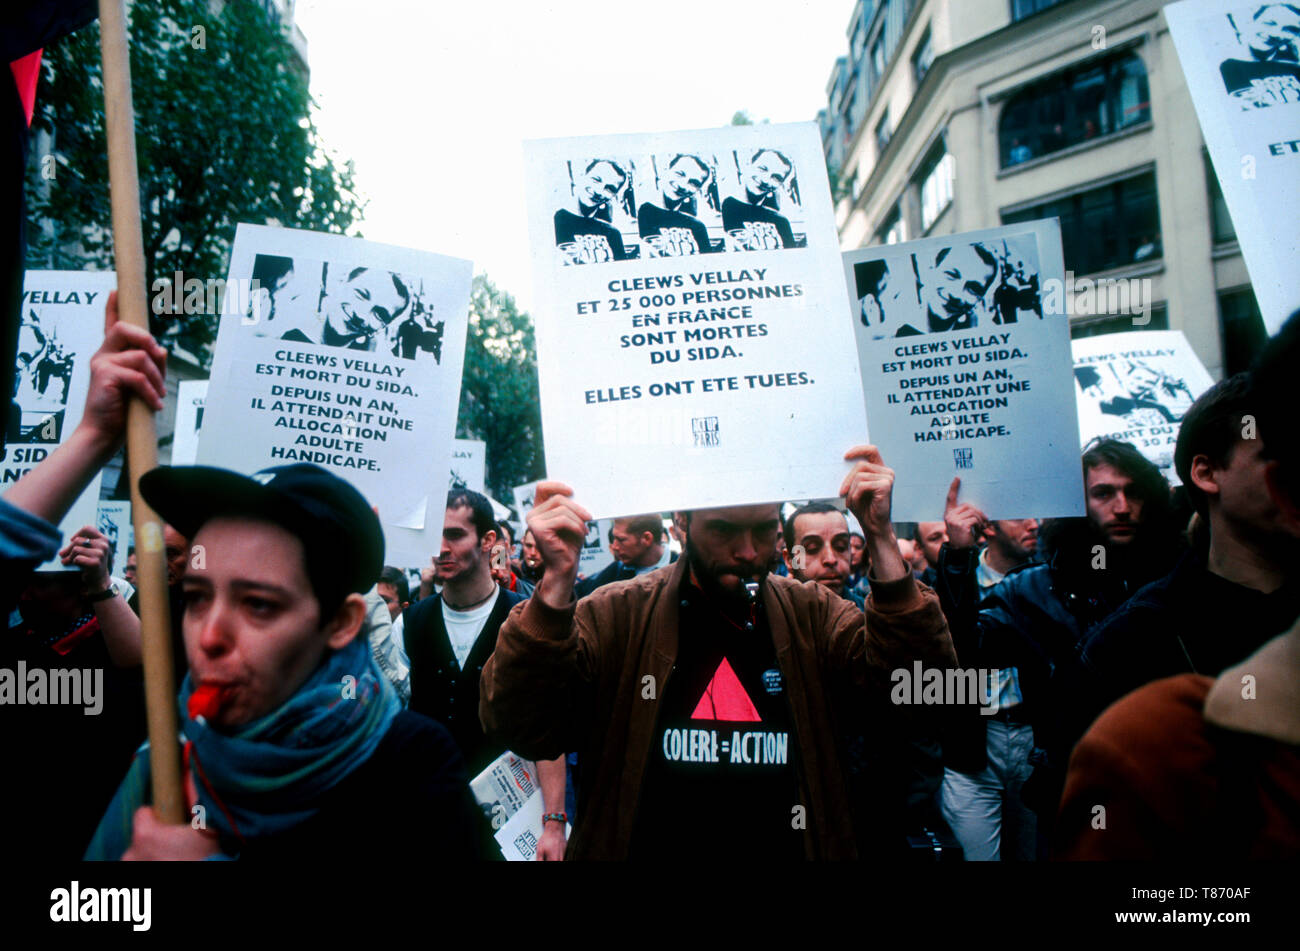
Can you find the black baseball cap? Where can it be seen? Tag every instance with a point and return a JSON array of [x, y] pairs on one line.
[[340, 533]]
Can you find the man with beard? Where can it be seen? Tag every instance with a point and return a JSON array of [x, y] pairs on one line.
[[701, 699], [672, 228], [1035, 619], [756, 218]]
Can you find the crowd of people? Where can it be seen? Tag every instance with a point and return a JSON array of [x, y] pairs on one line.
[[727, 688]]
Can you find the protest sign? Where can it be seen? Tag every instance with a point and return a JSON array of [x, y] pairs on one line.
[[349, 357], [113, 519], [1136, 387], [595, 553], [469, 464], [1242, 63], [61, 326], [691, 344], [190, 395], [965, 351]]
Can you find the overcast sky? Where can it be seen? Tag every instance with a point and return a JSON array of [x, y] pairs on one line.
[[433, 99]]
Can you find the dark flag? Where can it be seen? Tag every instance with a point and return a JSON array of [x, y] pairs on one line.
[[26, 27]]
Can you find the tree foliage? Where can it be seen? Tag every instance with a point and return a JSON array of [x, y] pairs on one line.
[[224, 134], [498, 396]]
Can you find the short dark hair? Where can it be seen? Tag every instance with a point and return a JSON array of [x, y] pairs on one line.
[[481, 513], [504, 531], [812, 508], [1272, 397], [1211, 427], [636, 524], [397, 578], [1148, 484]]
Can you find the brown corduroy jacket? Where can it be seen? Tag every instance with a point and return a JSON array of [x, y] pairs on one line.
[[587, 678]]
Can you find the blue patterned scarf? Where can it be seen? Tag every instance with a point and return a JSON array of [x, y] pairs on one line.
[[268, 776]]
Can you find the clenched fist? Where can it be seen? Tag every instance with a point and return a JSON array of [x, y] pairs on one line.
[[559, 527]]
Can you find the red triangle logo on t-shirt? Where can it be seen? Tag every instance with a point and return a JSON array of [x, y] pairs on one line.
[[725, 699]]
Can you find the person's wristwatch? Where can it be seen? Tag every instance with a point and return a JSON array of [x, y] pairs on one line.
[[109, 592]]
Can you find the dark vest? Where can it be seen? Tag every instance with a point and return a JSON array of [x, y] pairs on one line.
[[442, 690]]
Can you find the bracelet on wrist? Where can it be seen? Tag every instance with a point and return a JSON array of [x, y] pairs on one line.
[[109, 592], [559, 817]]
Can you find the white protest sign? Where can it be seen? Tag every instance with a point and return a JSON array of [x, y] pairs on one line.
[[61, 326], [1136, 387], [113, 519], [350, 358], [469, 464], [1242, 63], [965, 350], [190, 396], [595, 553], [691, 344]]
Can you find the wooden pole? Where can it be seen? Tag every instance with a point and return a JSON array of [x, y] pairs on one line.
[[141, 437]]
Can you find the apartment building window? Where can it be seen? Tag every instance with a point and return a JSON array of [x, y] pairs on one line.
[[1122, 324], [883, 132], [877, 59], [923, 57], [892, 230], [936, 178], [1026, 8], [1071, 107], [1242, 328], [1105, 227], [1220, 222]]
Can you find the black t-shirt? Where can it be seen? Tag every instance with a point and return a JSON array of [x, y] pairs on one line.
[[1281, 79], [600, 241], [679, 231], [721, 781], [767, 223]]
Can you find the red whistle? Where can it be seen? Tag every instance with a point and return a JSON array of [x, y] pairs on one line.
[[206, 700]]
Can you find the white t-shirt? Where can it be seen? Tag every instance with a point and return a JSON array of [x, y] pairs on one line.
[[464, 627]]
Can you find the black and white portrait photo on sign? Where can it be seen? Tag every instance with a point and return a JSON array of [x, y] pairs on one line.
[[1241, 61], [350, 358], [1136, 387], [598, 222], [1265, 70], [1136, 390], [965, 362], [681, 213], [356, 308], [959, 286], [672, 365], [762, 208], [61, 325]]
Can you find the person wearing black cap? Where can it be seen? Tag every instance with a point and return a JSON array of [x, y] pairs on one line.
[[293, 738]]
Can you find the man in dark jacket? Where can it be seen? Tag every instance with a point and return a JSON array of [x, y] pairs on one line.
[[638, 546], [449, 637], [1036, 618], [1190, 620], [701, 700]]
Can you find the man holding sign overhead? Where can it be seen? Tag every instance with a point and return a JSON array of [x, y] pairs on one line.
[[703, 697]]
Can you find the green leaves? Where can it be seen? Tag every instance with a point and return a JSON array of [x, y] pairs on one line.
[[224, 134], [498, 397]]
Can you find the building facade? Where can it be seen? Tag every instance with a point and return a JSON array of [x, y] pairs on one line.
[[953, 115]]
